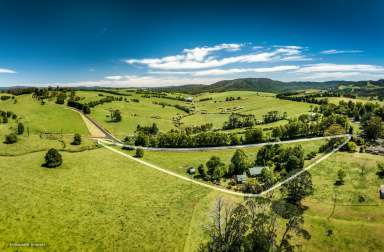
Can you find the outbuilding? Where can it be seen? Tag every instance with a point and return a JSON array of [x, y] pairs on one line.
[[241, 178], [189, 99], [255, 171]]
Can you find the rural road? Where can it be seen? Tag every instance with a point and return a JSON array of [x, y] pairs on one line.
[[223, 190]]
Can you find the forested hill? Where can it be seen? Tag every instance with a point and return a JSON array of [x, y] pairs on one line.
[[261, 85]]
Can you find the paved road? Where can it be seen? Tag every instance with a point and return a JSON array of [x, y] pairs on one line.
[[223, 189]]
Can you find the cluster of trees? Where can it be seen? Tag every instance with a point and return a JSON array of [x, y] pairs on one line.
[[180, 139], [60, 98], [274, 116], [6, 97], [148, 130], [236, 120], [12, 137], [115, 115], [261, 224], [6, 115], [80, 106], [302, 127], [198, 128], [309, 98], [232, 98], [205, 99], [178, 106], [103, 100], [284, 160]]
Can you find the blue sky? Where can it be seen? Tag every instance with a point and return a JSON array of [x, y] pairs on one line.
[[157, 43]]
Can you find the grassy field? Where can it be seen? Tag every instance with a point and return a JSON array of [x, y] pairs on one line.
[[336, 100], [44, 118], [99, 201], [356, 226], [218, 110]]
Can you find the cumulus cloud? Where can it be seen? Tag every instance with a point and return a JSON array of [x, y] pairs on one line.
[[334, 51], [5, 70], [205, 57]]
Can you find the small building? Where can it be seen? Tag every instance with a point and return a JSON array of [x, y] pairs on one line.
[[241, 178], [255, 171], [189, 99], [381, 192]]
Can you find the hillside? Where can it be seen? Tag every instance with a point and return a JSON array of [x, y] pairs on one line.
[[268, 85], [252, 84]]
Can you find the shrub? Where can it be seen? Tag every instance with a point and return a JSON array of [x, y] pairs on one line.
[[76, 139], [139, 153], [351, 147], [20, 128], [340, 177], [11, 138], [53, 158]]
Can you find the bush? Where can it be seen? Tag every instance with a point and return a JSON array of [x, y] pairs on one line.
[[340, 177], [20, 128], [139, 153], [351, 147], [11, 138], [53, 158], [76, 139]]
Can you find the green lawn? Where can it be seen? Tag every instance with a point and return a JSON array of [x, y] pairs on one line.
[[98, 201], [356, 226], [336, 100], [44, 118]]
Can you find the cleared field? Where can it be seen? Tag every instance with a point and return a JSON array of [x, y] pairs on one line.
[[336, 100], [143, 113], [99, 201], [357, 221], [44, 118], [255, 103], [34, 143]]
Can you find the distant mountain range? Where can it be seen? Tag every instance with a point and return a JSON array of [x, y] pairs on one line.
[[364, 88], [268, 85]]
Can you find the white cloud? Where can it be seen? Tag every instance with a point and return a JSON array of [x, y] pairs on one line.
[[329, 67], [245, 70], [203, 57], [330, 75], [334, 51], [5, 70]]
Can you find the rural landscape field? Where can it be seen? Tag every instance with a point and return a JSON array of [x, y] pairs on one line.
[[231, 126]]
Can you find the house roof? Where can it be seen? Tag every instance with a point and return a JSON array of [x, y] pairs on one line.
[[255, 170], [241, 177]]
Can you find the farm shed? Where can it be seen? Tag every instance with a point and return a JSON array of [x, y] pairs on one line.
[[255, 171], [241, 178]]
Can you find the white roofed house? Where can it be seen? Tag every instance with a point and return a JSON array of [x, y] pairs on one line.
[[189, 99], [255, 171]]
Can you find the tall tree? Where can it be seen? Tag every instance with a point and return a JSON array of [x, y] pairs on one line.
[[239, 163]]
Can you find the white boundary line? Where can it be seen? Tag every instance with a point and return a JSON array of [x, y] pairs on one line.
[[222, 189]]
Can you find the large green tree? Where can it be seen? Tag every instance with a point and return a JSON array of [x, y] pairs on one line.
[[239, 163]]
